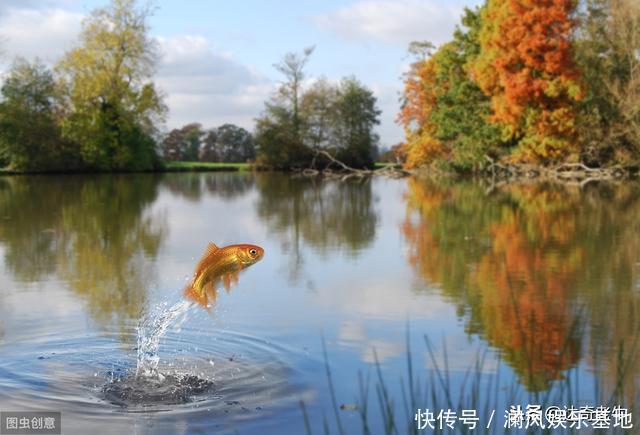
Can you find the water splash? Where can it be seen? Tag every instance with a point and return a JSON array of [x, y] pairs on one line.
[[150, 331]]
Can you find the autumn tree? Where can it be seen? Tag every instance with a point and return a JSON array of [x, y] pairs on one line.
[[395, 154], [418, 102], [526, 65], [444, 112], [113, 107]]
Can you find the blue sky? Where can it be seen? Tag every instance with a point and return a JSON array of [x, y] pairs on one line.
[[217, 56]]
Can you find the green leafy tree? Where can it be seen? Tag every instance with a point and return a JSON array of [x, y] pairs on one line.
[[298, 122], [29, 135], [278, 130], [317, 108], [278, 146], [171, 145], [356, 116], [462, 109], [193, 134], [183, 143], [234, 144], [209, 150], [113, 107]]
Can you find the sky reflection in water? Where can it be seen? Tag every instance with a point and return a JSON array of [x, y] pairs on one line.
[[545, 276]]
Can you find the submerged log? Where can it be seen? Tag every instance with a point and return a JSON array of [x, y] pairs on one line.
[[564, 172], [346, 172]]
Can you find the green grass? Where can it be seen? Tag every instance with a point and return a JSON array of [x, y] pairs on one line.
[[206, 166]]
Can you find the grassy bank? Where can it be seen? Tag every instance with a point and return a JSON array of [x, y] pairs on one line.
[[205, 166], [171, 167], [166, 167]]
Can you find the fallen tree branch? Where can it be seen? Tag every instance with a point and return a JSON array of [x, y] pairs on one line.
[[347, 171], [563, 172]]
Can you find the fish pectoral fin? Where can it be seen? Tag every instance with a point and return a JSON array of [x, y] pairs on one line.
[[210, 290], [226, 280]]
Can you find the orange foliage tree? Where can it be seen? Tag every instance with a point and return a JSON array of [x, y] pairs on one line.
[[526, 65], [420, 99]]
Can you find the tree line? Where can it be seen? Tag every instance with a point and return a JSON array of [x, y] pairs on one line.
[[298, 121], [539, 82], [98, 109], [227, 143]]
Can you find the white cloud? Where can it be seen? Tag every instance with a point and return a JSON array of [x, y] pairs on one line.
[[43, 33], [353, 334], [393, 21], [200, 84], [208, 87]]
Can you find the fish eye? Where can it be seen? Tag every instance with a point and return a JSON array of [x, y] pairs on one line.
[[253, 252]]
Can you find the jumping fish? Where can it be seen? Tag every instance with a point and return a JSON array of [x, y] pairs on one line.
[[220, 264]]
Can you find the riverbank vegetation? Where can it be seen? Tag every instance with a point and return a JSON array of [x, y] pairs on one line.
[[97, 109], [535, 82], [297, 123], [225, 144], [179, 166]]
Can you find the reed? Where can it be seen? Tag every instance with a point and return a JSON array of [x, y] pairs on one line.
[[480, 389]]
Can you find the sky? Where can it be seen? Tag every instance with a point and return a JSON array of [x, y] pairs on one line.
[[217, 56]]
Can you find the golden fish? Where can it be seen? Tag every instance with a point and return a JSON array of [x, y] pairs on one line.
[[220, 264]]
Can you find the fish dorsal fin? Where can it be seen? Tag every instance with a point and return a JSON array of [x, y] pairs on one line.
[[211, 250]]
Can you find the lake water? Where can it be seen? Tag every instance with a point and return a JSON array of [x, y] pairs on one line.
[[530, 292]]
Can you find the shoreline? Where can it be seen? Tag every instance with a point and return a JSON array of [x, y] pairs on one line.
[[567, 173], [167, 168]]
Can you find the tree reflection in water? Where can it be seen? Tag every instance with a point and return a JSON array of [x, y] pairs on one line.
[[96, 234], [533, 268], [326, 215], [192, 186]]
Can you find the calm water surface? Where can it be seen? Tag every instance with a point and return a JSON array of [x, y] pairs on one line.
[[540, 282]]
